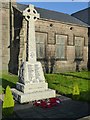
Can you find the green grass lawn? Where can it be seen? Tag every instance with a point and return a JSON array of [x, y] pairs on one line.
[[84, 74], [7, 79], [63, 84]]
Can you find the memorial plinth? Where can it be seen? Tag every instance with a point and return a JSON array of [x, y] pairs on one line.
[[31, 85]]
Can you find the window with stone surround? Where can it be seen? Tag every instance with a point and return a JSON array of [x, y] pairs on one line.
[[79, 44], [41, 39], [61, 45]]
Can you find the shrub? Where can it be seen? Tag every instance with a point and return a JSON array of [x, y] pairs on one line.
[[76, 91], [8, 103]]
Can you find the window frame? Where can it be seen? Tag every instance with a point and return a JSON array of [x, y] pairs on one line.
[[79, 58], [45, 42], [66, 43]]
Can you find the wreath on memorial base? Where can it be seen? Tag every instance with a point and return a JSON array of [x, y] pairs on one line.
[[47, 103]]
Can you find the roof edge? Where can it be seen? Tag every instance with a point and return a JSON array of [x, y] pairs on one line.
[[80, 11], [63, 22]]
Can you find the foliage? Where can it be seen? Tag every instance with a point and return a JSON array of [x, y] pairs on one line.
[[8, 103]]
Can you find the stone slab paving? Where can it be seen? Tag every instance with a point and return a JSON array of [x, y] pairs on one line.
[[67, 109]]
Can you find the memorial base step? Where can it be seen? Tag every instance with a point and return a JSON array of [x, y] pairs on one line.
[[27, 97], [31, 87]]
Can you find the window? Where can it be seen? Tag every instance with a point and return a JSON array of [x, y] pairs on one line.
[[61, 41], [40, 44], [79, 42]]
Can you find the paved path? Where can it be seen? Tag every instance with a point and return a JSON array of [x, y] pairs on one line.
[[67, 109]]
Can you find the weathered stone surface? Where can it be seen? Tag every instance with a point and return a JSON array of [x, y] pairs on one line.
[[31, 73], [5, 35], [5, 4], [23, 98], [63, 29], [29, 88]]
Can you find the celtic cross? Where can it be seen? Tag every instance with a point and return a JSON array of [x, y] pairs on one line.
[[31, 16]]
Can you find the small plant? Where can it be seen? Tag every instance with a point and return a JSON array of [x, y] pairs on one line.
[[76, 91], [8, 103]]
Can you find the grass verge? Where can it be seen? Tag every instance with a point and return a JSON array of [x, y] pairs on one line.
[[7, 79], [62, 83]]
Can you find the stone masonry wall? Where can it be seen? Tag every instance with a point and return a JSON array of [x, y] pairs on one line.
[[0, 36], [52, 28], [89, 49], [5, 35], [5, 29], [14, 46]]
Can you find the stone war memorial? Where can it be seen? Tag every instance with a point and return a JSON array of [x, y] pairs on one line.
[[31, 85]]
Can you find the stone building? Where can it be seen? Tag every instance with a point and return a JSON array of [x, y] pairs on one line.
[[83, 15], [61, 40]]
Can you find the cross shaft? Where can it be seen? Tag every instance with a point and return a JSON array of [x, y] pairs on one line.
[[31, 16]]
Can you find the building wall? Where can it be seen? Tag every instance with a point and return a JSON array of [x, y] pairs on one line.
[[15, 42], [5, 30], [52, 28], [89, 49], [14, 46], [47, 30], [5, 43], [83, 15], [0, 36]]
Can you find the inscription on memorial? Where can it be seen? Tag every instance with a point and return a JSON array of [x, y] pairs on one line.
[[31, 73], [32, 55], [39, 72]]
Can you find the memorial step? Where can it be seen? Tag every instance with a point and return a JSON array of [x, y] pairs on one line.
[[28, 88], [27, 97]]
